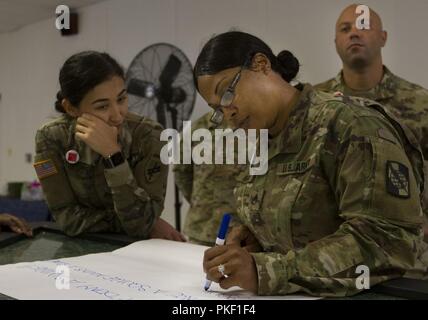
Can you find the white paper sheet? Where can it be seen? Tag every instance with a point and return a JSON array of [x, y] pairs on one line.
[[152, 269]]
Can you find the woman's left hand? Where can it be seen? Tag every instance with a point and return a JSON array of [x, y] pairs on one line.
[[239, 267], [15, 224], [163, 230], [97, 134]]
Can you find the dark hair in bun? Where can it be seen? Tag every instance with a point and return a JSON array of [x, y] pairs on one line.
[[234, 49], [289, 64], [58, 102]]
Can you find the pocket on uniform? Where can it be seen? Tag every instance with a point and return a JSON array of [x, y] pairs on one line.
[[286, 195], [256, 200], [80, 170], [249, 204], [81, 177], [285, 199]]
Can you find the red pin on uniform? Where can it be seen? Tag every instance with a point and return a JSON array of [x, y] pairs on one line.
[[72, 156]]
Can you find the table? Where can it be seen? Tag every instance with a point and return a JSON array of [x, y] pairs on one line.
[[50, 243]]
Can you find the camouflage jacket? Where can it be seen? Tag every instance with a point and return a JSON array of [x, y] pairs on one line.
[[341, 191], [209, 190], [85, 196], [407, 101]]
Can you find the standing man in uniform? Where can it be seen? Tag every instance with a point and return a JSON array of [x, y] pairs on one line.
[[208, 188], [364, 75]]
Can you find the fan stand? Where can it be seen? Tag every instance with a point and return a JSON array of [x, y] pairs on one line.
[[163, 71], [178, 203]]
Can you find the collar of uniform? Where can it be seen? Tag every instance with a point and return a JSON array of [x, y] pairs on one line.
[[89, 156], [290, 139], [384, 90]]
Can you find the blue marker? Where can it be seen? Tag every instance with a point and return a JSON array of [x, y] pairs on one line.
[[220, 240]]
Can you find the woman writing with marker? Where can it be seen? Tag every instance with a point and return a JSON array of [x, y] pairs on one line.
[[343, 184]]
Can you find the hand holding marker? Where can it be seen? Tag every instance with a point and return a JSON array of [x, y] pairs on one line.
[[220, 240]]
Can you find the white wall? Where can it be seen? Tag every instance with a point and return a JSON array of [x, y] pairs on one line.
[[30, 58]]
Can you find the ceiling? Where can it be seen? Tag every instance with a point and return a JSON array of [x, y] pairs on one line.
[[15, 14]]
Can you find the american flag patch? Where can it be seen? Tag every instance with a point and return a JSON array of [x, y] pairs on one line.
[[45, 168]]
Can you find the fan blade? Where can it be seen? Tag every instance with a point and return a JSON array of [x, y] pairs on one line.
[[161, 114], [170, 72], [141, 88]]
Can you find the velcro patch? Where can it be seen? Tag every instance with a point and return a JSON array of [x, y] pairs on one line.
[[45, 168], [397, 179]]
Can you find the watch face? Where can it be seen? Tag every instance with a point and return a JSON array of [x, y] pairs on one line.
[[117, 158], [114, 160]]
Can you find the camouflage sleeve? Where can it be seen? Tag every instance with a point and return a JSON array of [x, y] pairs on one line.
[[139, 194], [183, 174], [416, 115], [71, 217], [378, 201]]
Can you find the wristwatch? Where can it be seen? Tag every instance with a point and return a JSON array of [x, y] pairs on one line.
[[114, 160]]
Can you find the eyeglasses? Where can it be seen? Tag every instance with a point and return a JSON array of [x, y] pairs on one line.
[[226, 100]]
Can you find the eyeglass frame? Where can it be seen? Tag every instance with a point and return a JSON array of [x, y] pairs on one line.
[[218, 112]]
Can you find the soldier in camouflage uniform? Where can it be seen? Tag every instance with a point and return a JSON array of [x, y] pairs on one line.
[[364, 75], [99, 165], [408, 102], [209, 190], [342, 190]]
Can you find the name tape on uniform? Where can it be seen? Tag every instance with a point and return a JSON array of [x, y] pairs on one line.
[[293, 167]]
